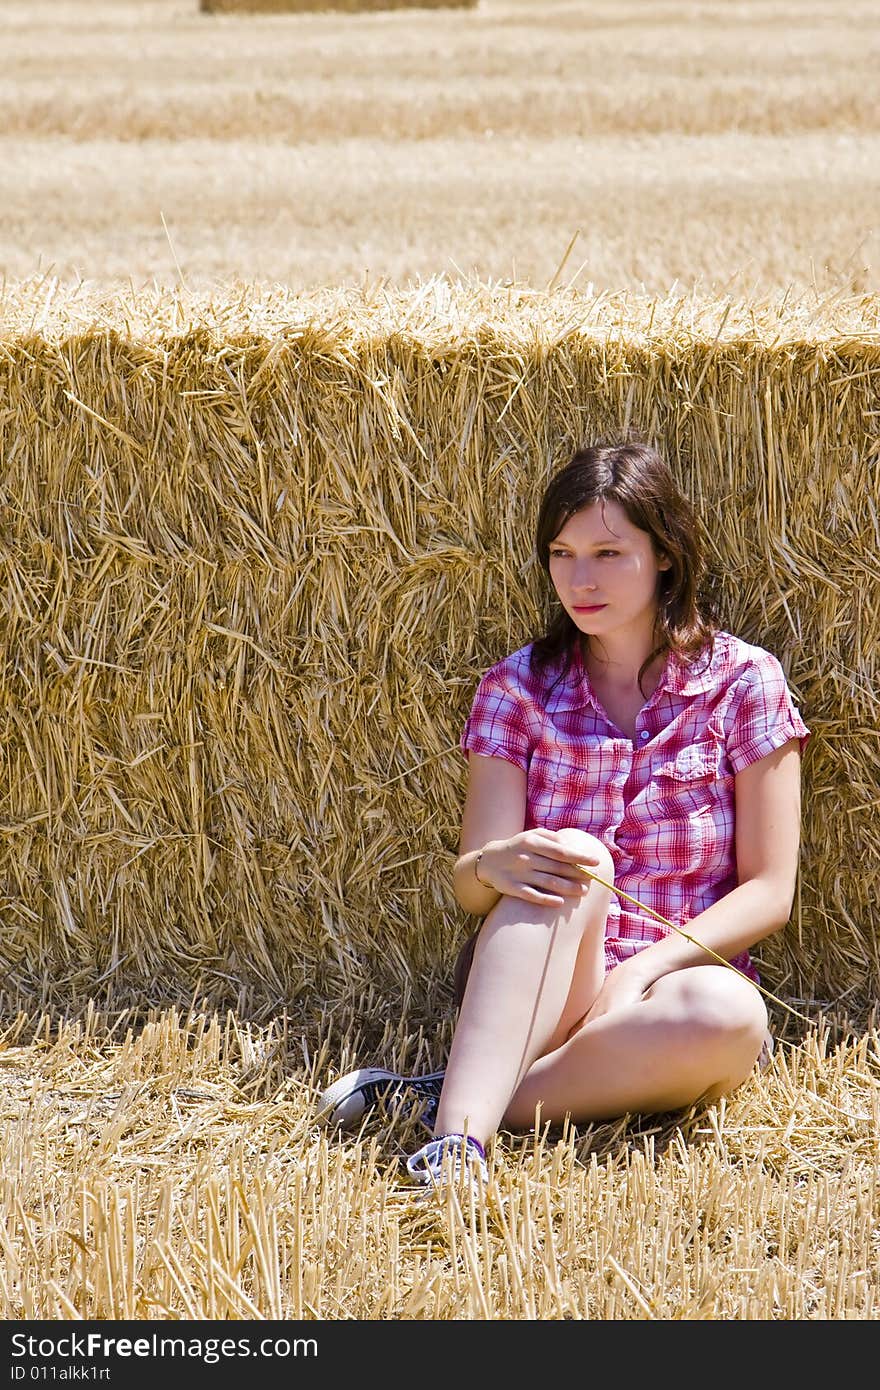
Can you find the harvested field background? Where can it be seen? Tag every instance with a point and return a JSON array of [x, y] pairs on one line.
[[324, 6], [729, 146], [259, 539]]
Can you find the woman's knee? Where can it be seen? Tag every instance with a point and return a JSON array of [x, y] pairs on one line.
[[734, 1013], [718, 1008], [597, 856]]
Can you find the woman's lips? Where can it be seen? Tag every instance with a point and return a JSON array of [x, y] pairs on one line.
[[587, 607]]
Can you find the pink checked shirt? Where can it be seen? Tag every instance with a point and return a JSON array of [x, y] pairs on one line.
[[663, 803]]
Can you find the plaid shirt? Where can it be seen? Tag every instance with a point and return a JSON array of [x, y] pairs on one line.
[[663, 803]]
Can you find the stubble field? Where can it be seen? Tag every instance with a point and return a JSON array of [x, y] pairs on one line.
[[730, 145]]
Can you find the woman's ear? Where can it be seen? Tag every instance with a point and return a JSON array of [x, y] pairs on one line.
[[663, 560]]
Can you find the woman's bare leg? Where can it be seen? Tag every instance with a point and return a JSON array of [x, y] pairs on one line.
[[536, 970], [696, 1034]]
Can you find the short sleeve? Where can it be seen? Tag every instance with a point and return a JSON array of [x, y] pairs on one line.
[[497, 726], [765, 716]]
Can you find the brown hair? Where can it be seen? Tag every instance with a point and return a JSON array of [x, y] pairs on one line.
[[639, 480]]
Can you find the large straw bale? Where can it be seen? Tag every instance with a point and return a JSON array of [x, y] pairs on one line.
[[258, 549]]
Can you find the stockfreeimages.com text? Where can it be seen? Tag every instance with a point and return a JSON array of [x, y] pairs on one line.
[[211, 1350]]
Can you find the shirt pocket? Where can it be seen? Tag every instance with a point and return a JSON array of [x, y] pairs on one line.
[[575, 787], [682, 808], [688, 779]]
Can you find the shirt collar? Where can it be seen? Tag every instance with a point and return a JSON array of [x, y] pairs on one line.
[[689, 677], [574, 691], [571, 690]]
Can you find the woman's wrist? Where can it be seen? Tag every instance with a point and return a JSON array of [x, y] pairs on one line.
[[473, 889], [476, 867]]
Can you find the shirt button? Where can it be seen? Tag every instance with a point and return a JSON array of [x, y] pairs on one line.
[[644, 734]]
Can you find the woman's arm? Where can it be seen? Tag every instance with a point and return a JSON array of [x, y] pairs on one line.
[[534, 865], [767, 847]]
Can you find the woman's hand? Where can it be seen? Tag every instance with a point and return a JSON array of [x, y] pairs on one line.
[[539, 865]]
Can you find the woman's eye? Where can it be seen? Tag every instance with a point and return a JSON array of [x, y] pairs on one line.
[[610, 554], [557, 554]]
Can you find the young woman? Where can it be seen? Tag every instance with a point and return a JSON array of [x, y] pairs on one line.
[[637, 740]]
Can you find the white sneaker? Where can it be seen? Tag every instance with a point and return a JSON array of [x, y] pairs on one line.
[[345, 1103], [445, 1159]]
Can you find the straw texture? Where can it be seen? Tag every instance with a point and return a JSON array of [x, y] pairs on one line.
[[258, 549]]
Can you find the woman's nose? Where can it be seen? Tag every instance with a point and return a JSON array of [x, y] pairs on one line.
[[583, 577]]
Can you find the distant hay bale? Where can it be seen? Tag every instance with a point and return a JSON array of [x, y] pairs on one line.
[[301, 6], [257, 552]]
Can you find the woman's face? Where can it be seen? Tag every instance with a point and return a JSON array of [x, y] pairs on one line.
[[606, 573]]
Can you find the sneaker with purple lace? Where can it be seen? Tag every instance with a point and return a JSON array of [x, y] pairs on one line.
[[448, 1159]]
